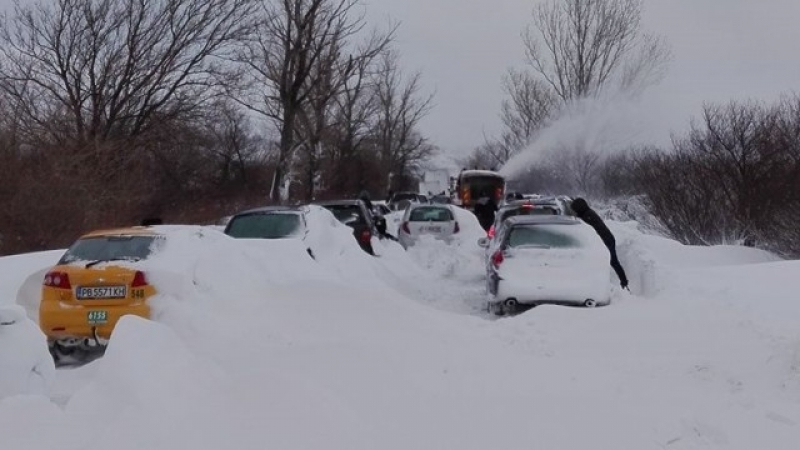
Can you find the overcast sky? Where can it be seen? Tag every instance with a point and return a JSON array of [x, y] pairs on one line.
[[723, 49]]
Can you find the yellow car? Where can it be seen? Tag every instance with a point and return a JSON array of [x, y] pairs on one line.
[[90, 289]]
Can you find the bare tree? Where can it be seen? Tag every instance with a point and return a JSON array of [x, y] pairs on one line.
[[401, 107], [86, 69], [284, 63], [335, 101], [578, 47], [232, 143], [350, 125], [529, 105], [732, 177]]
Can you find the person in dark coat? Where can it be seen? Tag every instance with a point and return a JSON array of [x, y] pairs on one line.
[[588, 215], [364, 197], [377, 218], [485, 209]]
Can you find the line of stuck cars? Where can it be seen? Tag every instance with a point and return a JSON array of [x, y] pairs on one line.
[[98, 280], [535, 253]]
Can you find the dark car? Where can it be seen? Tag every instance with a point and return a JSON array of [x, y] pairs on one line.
[[356, 215], [270, 222], [441, 199], [399, 201]]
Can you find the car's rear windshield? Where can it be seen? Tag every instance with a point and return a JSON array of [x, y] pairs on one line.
[[111, 248], [347, 214], [529, 211], [430, 214], [264, 226], [543, 236]]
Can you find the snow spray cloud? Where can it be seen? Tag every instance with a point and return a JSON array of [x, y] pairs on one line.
[[602, 125]]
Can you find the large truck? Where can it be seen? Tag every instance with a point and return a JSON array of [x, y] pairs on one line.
[[471, 185]]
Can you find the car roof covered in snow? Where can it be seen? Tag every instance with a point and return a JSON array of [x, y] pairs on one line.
[[541, 201], [126, 231], [542, 220], [274, 208], [479, 173]]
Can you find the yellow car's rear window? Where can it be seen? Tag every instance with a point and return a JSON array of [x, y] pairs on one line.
[[111, 248]]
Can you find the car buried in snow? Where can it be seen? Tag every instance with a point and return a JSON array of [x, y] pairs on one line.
[[550, 259], [356, 215], [270, 222], [91, 287]]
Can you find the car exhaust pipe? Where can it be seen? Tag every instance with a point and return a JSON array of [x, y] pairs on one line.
[[510, 306], [589, 303]]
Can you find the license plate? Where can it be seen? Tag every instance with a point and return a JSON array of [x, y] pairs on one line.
[[97, 317], [84, 292], [432, 229]]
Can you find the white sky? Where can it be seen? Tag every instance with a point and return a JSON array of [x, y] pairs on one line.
[[723, 49]]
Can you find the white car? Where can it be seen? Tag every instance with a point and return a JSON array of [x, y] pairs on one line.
[[546, 260], [437, 221]]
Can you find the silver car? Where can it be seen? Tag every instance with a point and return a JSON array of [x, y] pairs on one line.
[[437, 221]]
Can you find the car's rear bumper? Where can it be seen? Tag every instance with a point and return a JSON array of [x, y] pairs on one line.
[[531, 292], [61, 321], [407, 240]]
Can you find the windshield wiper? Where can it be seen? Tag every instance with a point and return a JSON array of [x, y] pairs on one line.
[[98, 261]]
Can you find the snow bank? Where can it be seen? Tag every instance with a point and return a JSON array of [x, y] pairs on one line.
[[254, 343], [26, 366], [650, 260]]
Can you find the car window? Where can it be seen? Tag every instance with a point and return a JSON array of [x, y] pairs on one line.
[[542, 236], [107, 248], [264, 226], [425, 214]]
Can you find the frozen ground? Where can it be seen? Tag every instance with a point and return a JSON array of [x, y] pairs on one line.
[[256, 346]]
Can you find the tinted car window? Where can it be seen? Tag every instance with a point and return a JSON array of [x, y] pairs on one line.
[[106, 248], [425, 214], [264, 226], [541, 236]]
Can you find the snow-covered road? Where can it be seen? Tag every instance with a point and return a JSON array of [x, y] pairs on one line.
[[262, 347]]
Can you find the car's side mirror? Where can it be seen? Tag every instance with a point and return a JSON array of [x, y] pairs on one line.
[[483, 242]]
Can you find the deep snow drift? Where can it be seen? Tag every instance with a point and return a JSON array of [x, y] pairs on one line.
[[255, 345]]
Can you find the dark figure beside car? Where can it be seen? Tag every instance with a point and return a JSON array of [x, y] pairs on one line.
[[588, 215], [485, 209], [356, 215]]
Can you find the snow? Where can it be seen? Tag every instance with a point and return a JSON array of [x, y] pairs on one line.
[[25, 363], [255, 345]]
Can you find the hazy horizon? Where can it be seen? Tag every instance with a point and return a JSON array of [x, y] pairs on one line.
[[464, 47]]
